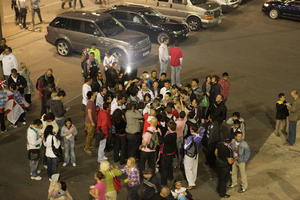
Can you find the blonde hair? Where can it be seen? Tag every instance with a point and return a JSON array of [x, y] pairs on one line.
[[104, 166], [131, 161]]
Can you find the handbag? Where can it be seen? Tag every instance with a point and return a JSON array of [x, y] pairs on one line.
[[57, 151], [204, 102], [116, 181], [34, 154]]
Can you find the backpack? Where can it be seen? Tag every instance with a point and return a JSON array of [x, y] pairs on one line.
[[153, 141], [193, 149]]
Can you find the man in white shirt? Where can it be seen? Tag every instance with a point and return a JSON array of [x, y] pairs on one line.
[[9, 62], [86, 87], [117, 103], [34, 143], [144, 90], [23, 5], [166, 88], [100, 97], [163, 55]]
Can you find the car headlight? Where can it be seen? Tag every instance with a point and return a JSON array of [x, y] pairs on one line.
[[266, 4], [176, 32]]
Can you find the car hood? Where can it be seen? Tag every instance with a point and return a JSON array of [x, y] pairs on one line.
[[173, 25], [130, 36], [209, 6]]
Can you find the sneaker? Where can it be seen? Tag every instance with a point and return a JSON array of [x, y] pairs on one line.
[[105, 158], [242, 190], [38, 171], [45, 166], [37, 178], [64, 164], [74, 164], [24, 123], [232, 186], [87, 151]]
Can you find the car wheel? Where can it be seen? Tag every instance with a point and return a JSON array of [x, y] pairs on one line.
[[63, 48], [161, 37], [274, 14], [194, 23]]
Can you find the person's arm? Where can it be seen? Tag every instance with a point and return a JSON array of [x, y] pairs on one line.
[[63, 131], [90, 116], [75, 132], [187, 143]]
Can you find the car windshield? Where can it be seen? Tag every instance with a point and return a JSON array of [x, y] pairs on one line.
[[110, 27], [198, 2], [154, 16]]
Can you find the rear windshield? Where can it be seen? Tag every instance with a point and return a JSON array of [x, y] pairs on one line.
[[197, 2], [110, 27]]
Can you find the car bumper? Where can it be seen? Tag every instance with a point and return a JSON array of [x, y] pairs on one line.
[[265, 9], [210, 23], [230, 6]]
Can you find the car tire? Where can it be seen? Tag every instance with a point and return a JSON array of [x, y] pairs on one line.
[[274, 14], [194, 23], [63, 48], [161, 36]]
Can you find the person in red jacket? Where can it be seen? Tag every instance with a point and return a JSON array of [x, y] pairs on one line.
[[103, 127], [225, 85], [176, 58]]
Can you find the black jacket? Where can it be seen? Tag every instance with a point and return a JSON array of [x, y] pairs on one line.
[[151, 187], [170, 143], [214, 91], [281, 110], [217, 111], [213, 133], [57, 108], [97, 84], [20, 81]]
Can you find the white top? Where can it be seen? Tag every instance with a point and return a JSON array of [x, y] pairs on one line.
[[163, 53], [99, 100], [48, 145], [114, 106], [9, 62], [108, 61], [34, 138], [163, 91], [141, 94], [85, 89], [177, 193]]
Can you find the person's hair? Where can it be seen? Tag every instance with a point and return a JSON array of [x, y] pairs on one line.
[[172, 125], [225, 74], [119, 97], [188, 86], [49, 116], [184, 92], [102, 88], [206, 77], [168, 93], [13, 70], [9, 49], [165, 39], [106, 105], [148, 171], [236, 122], [176, 43], [147, 95], [237, 132], [132, 160], [281, 95], [68, 120], [104, 166], [182, 114], [160, 96], [117, 116], [61, 93], [196, 80], [163, 74], [167, 81], [37, 122], [236, 114], [49, 70], [168, 110], [63, 185], [13, 86], [175, 87], [153, 71], [87, 79], [132, 106], [48, 131], [99, 175], [89, 94], [91, 53], [3, 39], [216, 77], [194, 127]]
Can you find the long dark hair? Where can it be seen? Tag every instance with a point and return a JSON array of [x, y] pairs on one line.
[[117, 117], [48, 131]]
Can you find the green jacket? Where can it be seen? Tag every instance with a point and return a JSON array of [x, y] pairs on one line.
[[109, 178], [97, 55]]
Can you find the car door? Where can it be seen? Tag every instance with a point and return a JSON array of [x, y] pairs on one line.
[[74, 28], [179, 7], [138, 23], [121, 17], [295, 9], [164, 6]]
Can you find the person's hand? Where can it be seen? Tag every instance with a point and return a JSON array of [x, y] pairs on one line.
[[126, 180], [93, 124]]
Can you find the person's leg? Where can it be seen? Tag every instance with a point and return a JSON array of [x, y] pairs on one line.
[[163, 170], [173, 75], [38, 10], [67, 151], [49, 169], [101, 150], [143, 161], [2, 122], [163, 68], [221, 181], [33, 164], [117, 146], [90, 134], [72, 151], [281, 131], [179, 150], [54, 166], [130, 143], [70, 4], [234, 174], [81, 4], [195, 169], [74, 4], [123, 149], [178, 71], [277, 127], [244, 181], [292, 132], [33, 15], [27, 98], [151, 161], [188, 170], [63, 5], [24, 18]]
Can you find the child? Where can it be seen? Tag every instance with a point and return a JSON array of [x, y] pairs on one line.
[[68, 132], [151, 185], [133, 180], [179, 192], [98, 191]]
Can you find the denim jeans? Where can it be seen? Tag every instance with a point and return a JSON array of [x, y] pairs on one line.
[[101, 148], [33, 165], [163, 67], [175, 75], [292, 132], [69, 151], [52, 164], [38, 11]]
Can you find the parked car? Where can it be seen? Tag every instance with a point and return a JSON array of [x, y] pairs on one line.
[[197, 13], [285, 9], [149, 21], [76, 30]]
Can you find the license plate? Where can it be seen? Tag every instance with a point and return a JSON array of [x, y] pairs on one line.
[[146, 53]]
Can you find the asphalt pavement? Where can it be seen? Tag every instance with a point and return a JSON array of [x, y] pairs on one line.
[[261, 55]]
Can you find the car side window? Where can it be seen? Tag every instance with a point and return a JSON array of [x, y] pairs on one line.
[[163, 0], [178, 1], [136, 19], [74, 25], [59, 22], [90, 28], [120, 15]]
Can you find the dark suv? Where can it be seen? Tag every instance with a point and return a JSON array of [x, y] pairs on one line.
[[76, 30], [149, 21]]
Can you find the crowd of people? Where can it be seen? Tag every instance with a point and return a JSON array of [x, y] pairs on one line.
[[147, 129]]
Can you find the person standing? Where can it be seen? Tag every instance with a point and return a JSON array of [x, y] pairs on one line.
[[3, 100], [218, 110], [18, 80], [163, 55], [96, 52], [98, 191], [214, 89], [35, 6], [282, 113], [81, 4], [241, 155], [34, 144], [294, 117], [63, 3], [90, 121], [23, 6], [58, 109], [90, 67], [180, 127], [17, 11], [24, 71], [9, 62], [151, 185], [224, 160], [86, 87], [191, 151], [176, 59], [225, 85]]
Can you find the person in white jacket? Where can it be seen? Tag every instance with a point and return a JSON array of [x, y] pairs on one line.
[[34, 144], [9, 62], [163, 55], [51, 142]]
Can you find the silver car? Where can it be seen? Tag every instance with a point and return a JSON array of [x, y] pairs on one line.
[[76, 30]]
